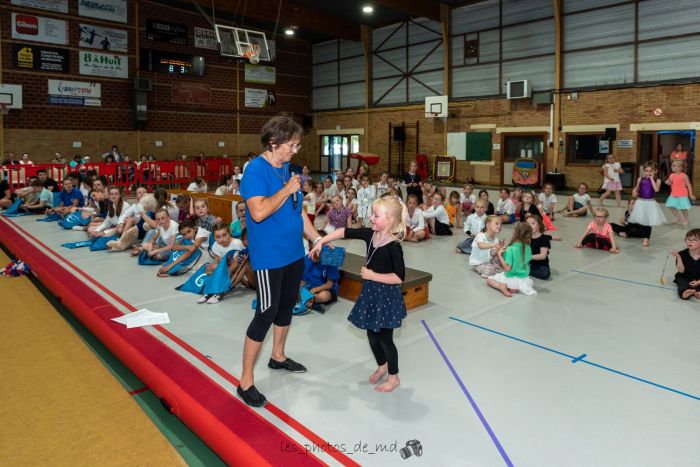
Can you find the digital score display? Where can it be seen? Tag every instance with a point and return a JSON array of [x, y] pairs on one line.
[[168, 62]]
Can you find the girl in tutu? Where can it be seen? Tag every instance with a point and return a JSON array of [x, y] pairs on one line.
[[611, 172], [681, 190], [646, 211], [380, 307], [515, 261]]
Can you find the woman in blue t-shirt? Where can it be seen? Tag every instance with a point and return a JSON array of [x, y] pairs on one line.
[[276, 224]]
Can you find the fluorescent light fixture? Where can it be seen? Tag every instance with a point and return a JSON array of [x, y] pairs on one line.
[[289, 32], [367, 9]]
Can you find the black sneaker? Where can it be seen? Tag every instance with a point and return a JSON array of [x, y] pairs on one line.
[[320, 307], [252, 397], [288, 364]]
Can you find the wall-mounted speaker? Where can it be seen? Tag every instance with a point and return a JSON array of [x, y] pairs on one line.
[[198, 66], [611, 134], [142, 84], [307, 122], [140, 109], [399, 133]]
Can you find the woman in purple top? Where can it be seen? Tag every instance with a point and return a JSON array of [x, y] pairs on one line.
[[339, 216], [646, 211]]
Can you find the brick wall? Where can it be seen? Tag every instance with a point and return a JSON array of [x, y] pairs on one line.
[[614, 106], [182, 128]]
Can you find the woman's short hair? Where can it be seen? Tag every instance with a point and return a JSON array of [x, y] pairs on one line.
[[279, 130]]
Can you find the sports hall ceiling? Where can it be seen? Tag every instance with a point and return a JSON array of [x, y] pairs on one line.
[[320, 20]]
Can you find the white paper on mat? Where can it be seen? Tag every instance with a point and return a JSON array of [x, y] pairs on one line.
[[142, 317]]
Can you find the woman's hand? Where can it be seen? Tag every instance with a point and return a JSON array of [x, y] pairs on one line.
[[614, 250], [315, 252]]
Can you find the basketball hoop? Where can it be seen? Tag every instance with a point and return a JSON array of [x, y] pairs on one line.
[[432, 114], [252, 53]]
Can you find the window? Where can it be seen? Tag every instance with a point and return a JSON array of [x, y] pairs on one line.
[[523, 146], [586, 149], [335, 150]]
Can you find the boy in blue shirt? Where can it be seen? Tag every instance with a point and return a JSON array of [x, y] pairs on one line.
[[70, 197], [322, 281]]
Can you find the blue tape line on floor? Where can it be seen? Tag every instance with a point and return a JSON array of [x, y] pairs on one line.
[[580, 359], [469, 397], [623, 280]]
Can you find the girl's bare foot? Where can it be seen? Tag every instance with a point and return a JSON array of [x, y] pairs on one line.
[[391, 383], [675, 221], [689, 293], [645, 242], [505, 291], [378, 374], [697, 295]]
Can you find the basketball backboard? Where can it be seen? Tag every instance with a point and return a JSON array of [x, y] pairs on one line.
[[436, 106], [11, 96], [233, 42]]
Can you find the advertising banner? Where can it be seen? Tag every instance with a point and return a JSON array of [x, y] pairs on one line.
[[191, 93], [39, 29], [98, 37], [259, 74], [75, 93], [33, 57], [57, 6], [110, 10], [166, 32], [106, 65], [205, 38]]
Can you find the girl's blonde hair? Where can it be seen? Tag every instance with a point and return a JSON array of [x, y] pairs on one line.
[[601, 212], [202, 200], [397, 211], [490, 220], [522, 234]]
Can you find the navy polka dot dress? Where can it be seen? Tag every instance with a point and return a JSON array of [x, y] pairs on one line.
[[379, 305]]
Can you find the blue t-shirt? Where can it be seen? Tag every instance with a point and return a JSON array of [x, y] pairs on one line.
[[67, 198], [277, 241], [316, 274]]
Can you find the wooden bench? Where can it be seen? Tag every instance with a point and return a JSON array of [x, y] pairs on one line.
[[219, 206], [414, 288]]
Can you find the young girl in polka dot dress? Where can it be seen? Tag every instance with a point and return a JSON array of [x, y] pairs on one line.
[[380, 307]]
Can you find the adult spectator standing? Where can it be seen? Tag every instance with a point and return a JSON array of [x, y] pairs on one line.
[[59, 159], [25, 159], [678, 154], [114, 152], [276, 223], [10, 159]]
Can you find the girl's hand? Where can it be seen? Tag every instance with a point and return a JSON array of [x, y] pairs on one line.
[[579, 245], [691, 196], [614, 251], [674, 253], [217, 220], [210, 268], [366, 273], [635, 193], [694, 283], [99, 234]]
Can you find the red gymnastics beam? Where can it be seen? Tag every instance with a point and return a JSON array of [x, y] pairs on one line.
[[238, 434]]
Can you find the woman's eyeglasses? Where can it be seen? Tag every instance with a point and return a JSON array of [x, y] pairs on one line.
[[293, 147]]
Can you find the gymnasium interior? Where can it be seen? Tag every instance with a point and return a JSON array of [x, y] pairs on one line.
[[600, 367]]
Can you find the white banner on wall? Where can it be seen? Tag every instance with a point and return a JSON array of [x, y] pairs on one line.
[[256, 98], [97, 37], [259, 74], [110, 10], [75, 93], [101, 64], [58, 6], [39, 29], [205, 38]]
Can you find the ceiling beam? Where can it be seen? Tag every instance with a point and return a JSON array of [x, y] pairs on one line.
[[418, 8], [293, 15]]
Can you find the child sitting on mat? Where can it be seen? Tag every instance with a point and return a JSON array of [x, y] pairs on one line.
[[115, 208], [321, 280], [515, 261], [436, 216], [472, 226], [188, 231], [578, 204], [204, 219], [505, 208], [688, 265], [484, 248], [222, 245], [599, 233], [160, 244], [416, 229]]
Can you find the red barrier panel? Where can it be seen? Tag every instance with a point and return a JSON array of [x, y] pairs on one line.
[[172, 174], [235, 432]]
